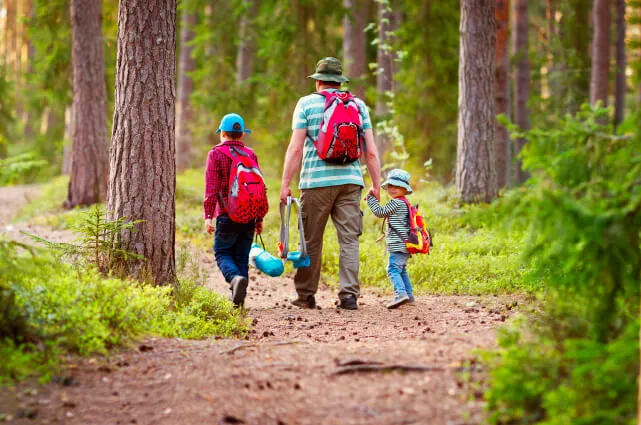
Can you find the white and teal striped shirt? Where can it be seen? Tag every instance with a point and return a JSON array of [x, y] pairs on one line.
[[315, 172]]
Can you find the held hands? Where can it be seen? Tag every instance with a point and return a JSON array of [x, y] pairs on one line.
[[209, 226], [375, 192]]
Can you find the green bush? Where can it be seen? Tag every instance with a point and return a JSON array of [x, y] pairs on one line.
[[577, 361]]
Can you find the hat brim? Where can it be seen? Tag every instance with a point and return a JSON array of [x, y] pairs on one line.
[[329, 77], [398, 184], [245, 130]]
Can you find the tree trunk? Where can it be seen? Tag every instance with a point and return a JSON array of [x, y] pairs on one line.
[[475, 159], [502, 87], [600, 52], [184, 112], [553, 69], [355, 44], [384, 76], [67, 146], [89, 172], [521, 80], [619, 102], [142, 177], [247, 42]]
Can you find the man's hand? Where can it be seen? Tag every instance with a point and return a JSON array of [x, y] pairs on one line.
[[375, 192], [285, 191], [259, 227], [209, 226]]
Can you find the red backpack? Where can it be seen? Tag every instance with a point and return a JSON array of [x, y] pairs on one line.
[[419, 240], [247, 196], [341, 130]]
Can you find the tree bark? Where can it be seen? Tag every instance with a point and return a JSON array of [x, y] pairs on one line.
[[142, 177], [521, 80], [502, 90], [475, 159], [355, 44], [89, 172], [247, 42], [184, 113], [600, 52], [553, 69], [619, 101], [384, 71]]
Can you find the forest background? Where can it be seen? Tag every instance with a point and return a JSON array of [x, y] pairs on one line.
[[572, 212]]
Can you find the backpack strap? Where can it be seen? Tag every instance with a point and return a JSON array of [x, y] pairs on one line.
[[409, 216]]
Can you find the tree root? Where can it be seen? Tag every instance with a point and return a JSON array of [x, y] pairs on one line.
[[275, 344]]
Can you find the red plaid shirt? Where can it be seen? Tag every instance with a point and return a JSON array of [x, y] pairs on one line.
[[217, 178]]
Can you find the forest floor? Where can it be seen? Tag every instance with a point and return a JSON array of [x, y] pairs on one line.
[[296, 366]]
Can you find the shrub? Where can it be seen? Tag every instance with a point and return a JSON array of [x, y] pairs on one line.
[[577, 362]]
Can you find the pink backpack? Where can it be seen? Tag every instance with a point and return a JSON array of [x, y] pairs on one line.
[[341, 130], [247, 197]]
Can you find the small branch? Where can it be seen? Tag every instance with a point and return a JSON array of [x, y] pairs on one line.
[[368, 367], [243, 346], [358, 366]]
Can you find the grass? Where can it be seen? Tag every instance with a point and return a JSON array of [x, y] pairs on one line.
[[474, 253]]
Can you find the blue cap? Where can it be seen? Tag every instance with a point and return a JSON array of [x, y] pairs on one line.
[[232, 122]]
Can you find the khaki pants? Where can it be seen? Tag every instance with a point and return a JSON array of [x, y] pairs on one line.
[[343, 204]]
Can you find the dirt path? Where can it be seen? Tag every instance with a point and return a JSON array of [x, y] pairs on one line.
[[286, 372]]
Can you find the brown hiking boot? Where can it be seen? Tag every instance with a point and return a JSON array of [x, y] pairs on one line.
[[309, 302]]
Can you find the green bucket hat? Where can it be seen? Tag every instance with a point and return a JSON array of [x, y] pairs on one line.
[[329, 69]]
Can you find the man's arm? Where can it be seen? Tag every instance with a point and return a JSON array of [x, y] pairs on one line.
[[373, 163], [293, 159]]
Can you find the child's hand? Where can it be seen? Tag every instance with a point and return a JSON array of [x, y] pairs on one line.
[[375, 192], [259, 227], [209, 226]]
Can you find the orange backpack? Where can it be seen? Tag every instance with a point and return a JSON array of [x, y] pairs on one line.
[[419, 240]]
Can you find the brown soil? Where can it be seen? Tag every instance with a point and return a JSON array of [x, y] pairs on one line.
[[286, 371]]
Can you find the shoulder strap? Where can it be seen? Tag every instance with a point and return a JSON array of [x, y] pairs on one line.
[[409, 213]]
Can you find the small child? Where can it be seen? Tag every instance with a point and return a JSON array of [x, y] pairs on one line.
[[232, 240], [397, 214]]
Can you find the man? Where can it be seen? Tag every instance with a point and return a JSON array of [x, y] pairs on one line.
[[328, 190]]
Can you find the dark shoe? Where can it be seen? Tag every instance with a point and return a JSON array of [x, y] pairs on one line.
[[398, 301], [348, 302], [309, 302], [238, 290]]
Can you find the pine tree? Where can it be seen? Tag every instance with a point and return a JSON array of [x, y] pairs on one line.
[[619, 102], [502, 94], [521, 78], [142, 177], [89, 172], [184, 113], [355, 43], [600, 52], [475, 161]]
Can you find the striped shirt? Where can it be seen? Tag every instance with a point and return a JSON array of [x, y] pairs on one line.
[[398, 216], [315, 172]]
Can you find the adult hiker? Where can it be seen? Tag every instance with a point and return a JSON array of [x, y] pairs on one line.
[[330, 186]]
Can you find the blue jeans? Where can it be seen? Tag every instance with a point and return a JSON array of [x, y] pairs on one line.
[[397, 273], [232, 242]]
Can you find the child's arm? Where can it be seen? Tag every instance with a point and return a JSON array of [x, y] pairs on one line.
[[211, 191], [381, 211]]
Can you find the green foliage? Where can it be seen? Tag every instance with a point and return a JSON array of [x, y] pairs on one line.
[[576, 361], [98, 241], [11, 169]]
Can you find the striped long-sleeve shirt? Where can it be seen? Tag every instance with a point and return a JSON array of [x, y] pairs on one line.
[[398, 214]]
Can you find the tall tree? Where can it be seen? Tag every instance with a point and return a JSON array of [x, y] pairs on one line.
[[89, 172], [385, 67], [600, 52], [475, 160], [502, 90], [246, 42], [184, 112], [553, 68], [619, 102], [355, 43], [521, 79], [142, 180]]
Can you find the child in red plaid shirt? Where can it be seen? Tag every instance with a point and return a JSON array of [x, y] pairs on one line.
[[232, 240]]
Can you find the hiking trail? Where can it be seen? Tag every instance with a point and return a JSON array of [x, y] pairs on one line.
[[321, 366]]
